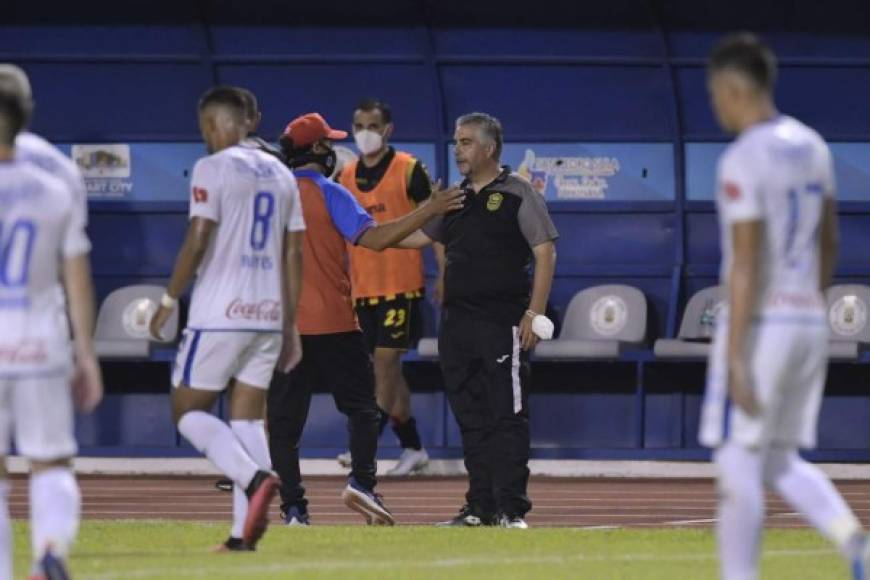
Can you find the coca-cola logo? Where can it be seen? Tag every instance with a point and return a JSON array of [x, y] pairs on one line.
[[26, 352], [269, 310]]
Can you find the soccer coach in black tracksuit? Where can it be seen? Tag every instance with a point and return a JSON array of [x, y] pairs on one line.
[[486, 322]]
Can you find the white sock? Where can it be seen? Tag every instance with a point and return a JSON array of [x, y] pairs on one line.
[[252, 436], [809, 491], [5, 533], [240, 512], [55, 506], [216, 440], [741, 511]]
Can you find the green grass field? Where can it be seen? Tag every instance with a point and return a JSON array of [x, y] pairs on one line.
[[161, 549]]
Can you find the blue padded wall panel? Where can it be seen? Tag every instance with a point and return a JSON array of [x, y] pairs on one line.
[[135, 244], [560, 42], [128, 420], [573, 421], [702, 238], [663, 427], [854, 240], [327, 428], [99, 40], [112, 102], [674, 391], [831, 100], [614, 239], [286, 91], [564, 102], [843, 421], [307, 40], [587, 420]]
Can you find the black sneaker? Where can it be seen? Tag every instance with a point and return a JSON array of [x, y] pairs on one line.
[[469, 517], [295, 516], [365, 501], [233, 545], [224, 484]]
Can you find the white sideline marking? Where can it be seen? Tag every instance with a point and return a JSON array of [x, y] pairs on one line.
[[688, 522], [324, 565]]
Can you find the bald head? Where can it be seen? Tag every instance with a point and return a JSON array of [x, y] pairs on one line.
[[15, 84]]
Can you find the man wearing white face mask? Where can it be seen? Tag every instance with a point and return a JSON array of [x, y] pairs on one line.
[[388, 286]]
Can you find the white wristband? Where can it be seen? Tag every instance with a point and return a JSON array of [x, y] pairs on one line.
[[168, 301]]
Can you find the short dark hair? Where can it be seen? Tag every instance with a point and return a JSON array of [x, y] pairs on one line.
[[489, 125], [13, 116], [251, 106], [224, 96], [373, 104], [746, 54]]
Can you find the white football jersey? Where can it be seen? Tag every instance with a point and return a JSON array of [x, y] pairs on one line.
[[254, 199], [36, 216], [779, 172], [34, 149]]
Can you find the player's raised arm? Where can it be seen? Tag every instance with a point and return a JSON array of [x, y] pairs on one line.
[[394, 232], [418, 240]]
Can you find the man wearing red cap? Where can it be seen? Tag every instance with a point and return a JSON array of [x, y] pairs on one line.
[[334, 352]]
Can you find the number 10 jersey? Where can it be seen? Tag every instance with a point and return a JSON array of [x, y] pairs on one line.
[[37, 231]]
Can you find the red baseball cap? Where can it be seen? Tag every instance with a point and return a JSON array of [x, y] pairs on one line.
[[310, 128]]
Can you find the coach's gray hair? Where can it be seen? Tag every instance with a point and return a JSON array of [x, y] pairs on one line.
[[489, 126]]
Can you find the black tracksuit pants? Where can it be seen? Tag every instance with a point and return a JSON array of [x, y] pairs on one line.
[[338, 362], [486, 376]]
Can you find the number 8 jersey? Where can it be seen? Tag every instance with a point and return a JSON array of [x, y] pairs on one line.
[[37, 231], [254, 199], [778, 172]]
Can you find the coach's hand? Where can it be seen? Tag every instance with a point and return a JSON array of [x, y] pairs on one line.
[[740, 388], [87, 383], [158, 322], [291, 351], [528, 339], [446, 200]]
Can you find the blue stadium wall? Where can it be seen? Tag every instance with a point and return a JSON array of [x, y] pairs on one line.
[[619, 80]]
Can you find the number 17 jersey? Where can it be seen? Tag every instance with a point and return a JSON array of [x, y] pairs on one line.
[[779, 172], [254, 199]]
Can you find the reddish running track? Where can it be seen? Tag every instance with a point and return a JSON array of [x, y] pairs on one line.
[[632, 503]]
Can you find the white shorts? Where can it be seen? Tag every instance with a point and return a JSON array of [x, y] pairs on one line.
[[38, 413], [788, 366], [209, 359]]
